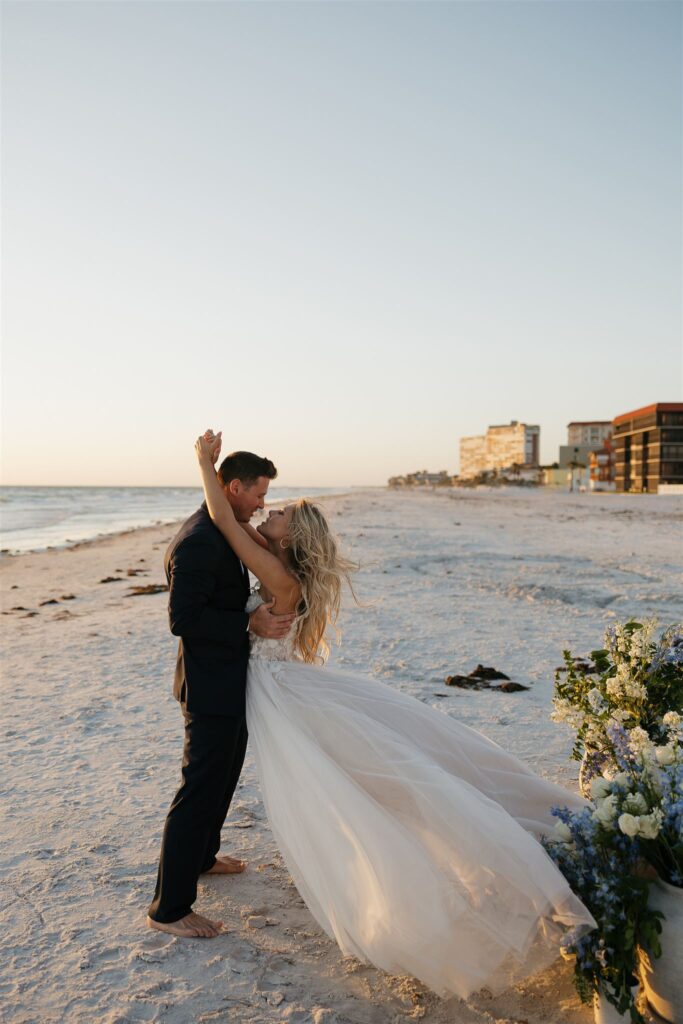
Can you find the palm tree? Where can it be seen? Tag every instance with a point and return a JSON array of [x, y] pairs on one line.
[[574, 464]]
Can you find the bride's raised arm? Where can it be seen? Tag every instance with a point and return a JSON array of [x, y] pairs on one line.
[[269, 569]]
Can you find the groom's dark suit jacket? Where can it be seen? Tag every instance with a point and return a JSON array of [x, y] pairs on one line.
[[208, 589]]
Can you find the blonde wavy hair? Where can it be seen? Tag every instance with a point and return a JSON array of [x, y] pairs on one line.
[[320, 569]]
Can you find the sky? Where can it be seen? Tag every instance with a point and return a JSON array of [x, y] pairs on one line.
[[345, 233]]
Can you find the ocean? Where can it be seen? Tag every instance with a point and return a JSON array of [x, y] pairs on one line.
[[36, 518]]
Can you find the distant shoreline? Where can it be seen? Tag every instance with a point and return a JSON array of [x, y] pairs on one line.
[[175, 521]]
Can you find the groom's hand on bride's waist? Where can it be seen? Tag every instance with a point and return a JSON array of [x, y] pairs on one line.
[[264, 622]]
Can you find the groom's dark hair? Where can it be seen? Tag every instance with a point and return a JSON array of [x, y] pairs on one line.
[[246, 467]]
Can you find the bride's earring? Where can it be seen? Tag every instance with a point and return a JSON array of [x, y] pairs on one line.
[[284, 544]]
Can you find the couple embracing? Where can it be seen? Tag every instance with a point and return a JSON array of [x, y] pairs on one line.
[[413, 839]]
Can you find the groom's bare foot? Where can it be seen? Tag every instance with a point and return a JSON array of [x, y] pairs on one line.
[[227, 866], [192, 926]]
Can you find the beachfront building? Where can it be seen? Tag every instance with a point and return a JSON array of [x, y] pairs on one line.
[[601, 466], [579, 456], [591, 433], [583, 438], [514, 444], [648, 449], [472, 456], [511, 446]]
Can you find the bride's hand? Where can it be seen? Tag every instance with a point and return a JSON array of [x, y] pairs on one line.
[[208, 450], [216, 441]]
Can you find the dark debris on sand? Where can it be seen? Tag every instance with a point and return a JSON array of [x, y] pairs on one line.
[[480, 679]]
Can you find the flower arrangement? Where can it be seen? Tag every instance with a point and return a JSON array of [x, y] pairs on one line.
[[635, 680], [603, 870], [627, 714], [644, 799]]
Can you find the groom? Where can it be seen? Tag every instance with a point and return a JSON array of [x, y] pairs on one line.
[[208, 589]]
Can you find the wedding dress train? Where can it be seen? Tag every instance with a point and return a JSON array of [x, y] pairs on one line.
[[411, 837]]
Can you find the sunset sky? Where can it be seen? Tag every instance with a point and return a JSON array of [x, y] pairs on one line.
[[345, 233]]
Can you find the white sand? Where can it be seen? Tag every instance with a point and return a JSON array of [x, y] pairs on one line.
[[92, 740]]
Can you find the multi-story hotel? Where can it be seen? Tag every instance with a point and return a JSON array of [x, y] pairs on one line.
[[648, 447], [472, 456], [591, 433], [500, 448]]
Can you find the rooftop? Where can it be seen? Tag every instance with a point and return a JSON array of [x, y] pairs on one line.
[[656, 407]]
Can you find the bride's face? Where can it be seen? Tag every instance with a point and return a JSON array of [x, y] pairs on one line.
[[276, 526]]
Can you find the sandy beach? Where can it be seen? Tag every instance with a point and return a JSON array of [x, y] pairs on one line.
[[92, 740]]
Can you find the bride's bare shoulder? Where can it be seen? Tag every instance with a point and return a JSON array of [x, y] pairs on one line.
[[286, 598]]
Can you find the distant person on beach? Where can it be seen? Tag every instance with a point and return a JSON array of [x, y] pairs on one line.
[[413, 839], [208, 592]]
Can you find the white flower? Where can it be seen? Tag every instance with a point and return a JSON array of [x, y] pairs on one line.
[[595, 699], [672, 721], [628, 824], [622, 779], [650, 824], [565, 712], [563, 832], [634, 690], [619, 715], [594, 736], [600, 788], [606, 810], [638, 739], [613, 687], [666, 754], [638, 646], [635, 803], [653, 774], [641, 639]]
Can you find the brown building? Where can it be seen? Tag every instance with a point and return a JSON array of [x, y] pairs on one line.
[[648, 447]]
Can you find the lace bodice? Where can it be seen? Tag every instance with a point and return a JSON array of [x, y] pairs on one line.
[[270, 650]]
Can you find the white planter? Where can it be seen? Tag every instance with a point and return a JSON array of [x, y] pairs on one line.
[[663, 978], [605, 1013]]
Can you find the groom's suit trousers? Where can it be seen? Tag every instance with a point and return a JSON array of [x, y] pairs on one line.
[[212, 761]]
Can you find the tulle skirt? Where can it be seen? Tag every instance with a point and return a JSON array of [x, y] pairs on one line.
[[411, 837]]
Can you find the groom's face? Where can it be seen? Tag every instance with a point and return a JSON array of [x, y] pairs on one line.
[[248, 498]]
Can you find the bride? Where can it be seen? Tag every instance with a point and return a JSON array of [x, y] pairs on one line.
[[411, 837]]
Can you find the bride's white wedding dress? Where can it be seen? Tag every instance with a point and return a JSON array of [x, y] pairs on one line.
[[408, 834]]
